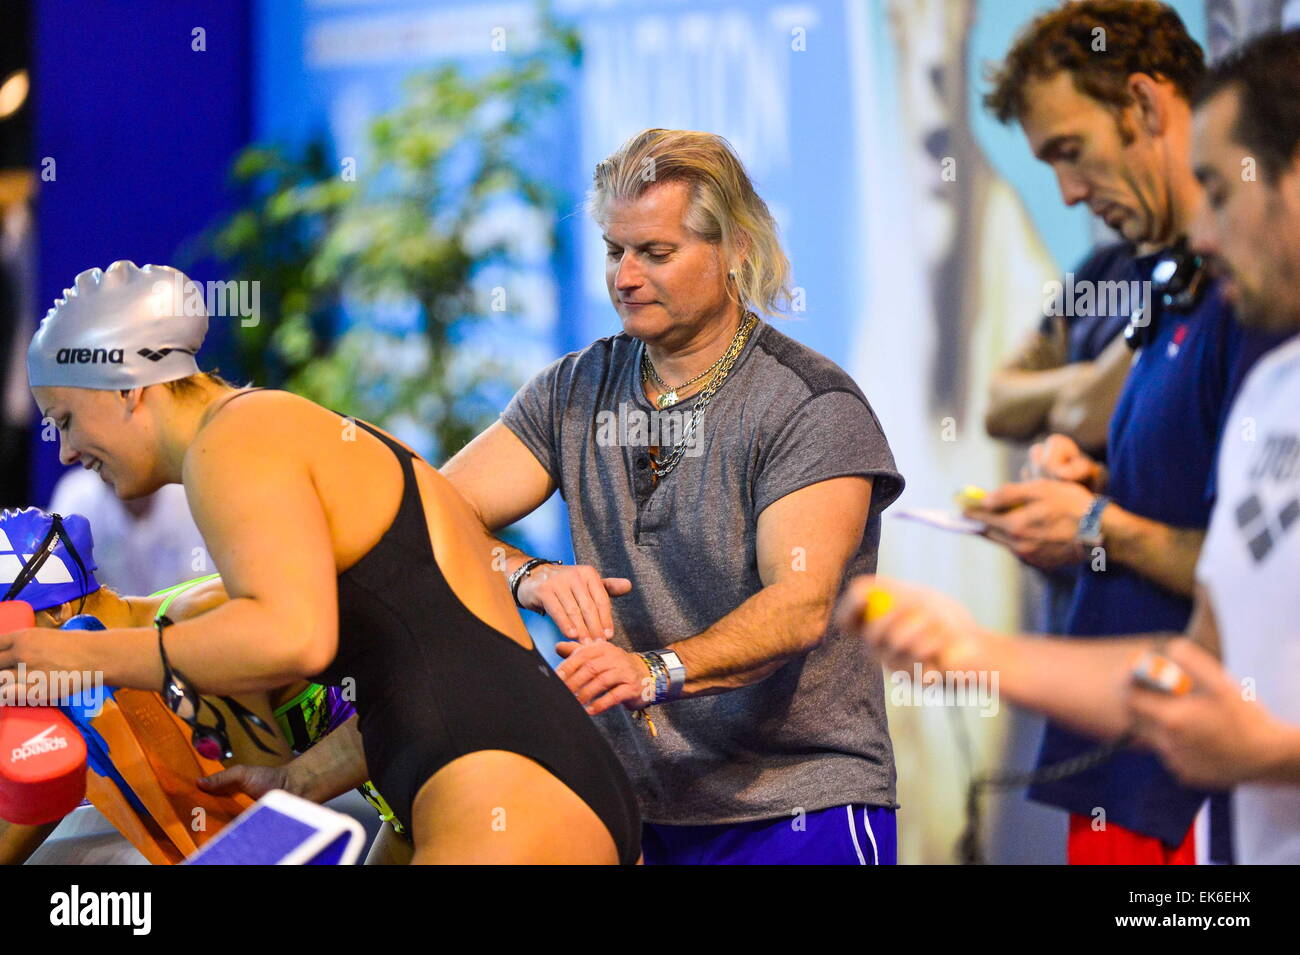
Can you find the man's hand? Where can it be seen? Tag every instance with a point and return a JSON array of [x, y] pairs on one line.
[[1038, 521], [328, 769], [253, 781], [912, 624], [1211, 737], [603, 676], [575, 597], [1059, 458]]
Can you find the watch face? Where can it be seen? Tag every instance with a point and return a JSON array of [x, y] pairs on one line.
[[1089, 534]]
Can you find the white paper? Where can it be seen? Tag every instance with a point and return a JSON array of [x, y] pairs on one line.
[[944, 520]]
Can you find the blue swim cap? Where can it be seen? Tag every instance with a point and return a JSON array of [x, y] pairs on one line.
[[45, 559]]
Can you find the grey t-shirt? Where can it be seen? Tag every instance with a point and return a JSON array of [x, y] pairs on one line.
[[814, 733]]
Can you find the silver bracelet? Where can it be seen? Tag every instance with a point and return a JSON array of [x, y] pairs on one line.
[[669, 673], [658, 675]]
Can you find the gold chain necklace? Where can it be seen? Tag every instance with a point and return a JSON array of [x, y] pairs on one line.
[[665, 467], [668, 396]]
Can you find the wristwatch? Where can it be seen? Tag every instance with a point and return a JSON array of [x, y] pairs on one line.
[[1089, 534]]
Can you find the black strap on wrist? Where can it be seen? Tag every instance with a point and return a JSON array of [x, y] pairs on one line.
[[178, 695], [522, 571]]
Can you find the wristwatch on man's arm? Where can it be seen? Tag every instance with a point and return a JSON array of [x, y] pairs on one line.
[[1089, 534], [668, 671]]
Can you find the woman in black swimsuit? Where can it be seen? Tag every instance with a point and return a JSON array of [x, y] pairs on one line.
[[348, 560]]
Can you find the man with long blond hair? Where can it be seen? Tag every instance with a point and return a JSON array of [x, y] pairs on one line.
[[721, 480]]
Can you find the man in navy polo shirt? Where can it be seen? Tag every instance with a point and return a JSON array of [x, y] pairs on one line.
[[1115, 128]]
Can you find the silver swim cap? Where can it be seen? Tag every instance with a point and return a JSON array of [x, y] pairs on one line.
[[126, 327]]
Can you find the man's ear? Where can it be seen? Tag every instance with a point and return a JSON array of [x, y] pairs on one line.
[[1150, 96], [741, 245]]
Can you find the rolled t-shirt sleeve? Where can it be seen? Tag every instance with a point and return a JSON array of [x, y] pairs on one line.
[[533, 415], [831, 434]]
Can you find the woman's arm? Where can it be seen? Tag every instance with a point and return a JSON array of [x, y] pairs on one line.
[[251, 492], [198, 600]]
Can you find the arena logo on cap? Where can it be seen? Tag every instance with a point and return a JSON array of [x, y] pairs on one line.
[[53, 571], [161, 353], [90, 356]]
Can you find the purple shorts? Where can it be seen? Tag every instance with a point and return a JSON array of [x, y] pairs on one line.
[[841, 835]]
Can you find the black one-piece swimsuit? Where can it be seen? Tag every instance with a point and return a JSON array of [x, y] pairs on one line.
[[433, 682]]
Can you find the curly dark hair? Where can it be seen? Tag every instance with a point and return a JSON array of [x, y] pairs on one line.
[[1265, 73], [1138, 36]]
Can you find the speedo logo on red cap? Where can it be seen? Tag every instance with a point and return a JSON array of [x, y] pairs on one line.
[[89, 356], [42, 742]]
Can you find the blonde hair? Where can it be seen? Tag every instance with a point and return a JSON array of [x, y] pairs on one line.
[[192, 385], [724, 208]]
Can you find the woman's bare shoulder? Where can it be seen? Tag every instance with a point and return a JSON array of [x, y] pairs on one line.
[[269, 414], [263, 419], [198, 599]]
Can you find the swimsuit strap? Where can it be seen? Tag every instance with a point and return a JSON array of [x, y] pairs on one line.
[[406, 454], [234, 397], [171, 593], [237, 395], [300, 718], [309, 691], [409, 524]]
